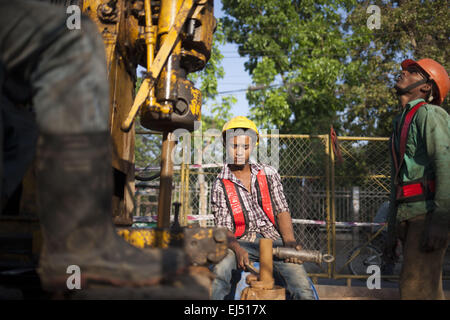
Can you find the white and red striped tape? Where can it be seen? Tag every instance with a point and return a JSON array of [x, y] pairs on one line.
[[296, 221]]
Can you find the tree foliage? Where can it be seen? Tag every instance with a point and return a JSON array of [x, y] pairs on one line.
[[409, 29], [319, 64], [298, 45], [316, 63]]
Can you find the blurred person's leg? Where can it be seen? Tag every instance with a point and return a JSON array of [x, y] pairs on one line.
[[223, 271], [421, 275], [2, 77], [62, 74]]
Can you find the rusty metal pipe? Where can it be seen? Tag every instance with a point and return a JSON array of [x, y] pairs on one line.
[[166, 89], [266, 262], [303, 255], [165, 184], [265, 288]]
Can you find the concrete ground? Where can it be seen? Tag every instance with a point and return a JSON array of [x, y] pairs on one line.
[[356, 289]]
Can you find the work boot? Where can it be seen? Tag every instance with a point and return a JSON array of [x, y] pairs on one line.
[[74, 179]]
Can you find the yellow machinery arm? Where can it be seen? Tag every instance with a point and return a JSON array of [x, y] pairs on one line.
[[171, 38]]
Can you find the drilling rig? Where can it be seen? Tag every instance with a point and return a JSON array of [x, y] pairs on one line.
[[170, 38]]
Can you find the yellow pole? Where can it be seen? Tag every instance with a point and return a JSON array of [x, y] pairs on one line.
[[166, 91], [328, 209], [186, 195], [150, 41], [333, 209], [182, 186], [341, 138]]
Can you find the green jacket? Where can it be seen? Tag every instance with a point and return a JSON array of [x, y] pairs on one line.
[[427, 153]]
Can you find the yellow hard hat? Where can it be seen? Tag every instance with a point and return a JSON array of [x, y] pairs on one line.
[[241, 122]]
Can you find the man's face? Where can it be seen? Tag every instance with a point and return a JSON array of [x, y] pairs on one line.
[[239, 149], [408, 76]]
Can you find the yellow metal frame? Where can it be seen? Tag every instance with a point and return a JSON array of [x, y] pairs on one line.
[[148, 237], [150, 41], [158, 63], [188, 8]]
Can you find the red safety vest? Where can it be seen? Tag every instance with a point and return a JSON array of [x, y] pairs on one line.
[[237, 208], [416, 190]]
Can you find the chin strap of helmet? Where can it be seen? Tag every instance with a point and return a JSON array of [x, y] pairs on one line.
[[402, 91]]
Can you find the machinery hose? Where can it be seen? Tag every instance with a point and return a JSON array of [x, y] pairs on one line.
[[151, 178]]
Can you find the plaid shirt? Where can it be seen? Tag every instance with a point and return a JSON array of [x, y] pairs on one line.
[[257, 218]]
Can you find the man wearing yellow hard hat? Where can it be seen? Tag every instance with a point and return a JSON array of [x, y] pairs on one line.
[[248, 199]]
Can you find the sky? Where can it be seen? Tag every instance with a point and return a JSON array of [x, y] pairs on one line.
[[236, 78]]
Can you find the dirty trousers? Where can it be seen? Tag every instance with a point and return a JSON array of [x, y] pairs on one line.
[[421, 275], [289, 275], [52, 80]]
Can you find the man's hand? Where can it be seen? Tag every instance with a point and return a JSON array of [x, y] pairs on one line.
[[287, 234], [241, 253], [241, 257], [435, 233], [293, 244]]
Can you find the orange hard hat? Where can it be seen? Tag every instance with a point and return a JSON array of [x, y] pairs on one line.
[[435, 72]]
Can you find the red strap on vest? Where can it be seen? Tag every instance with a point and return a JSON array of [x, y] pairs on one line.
[[412, 190], [408, 190], [403, 136], [415, 189], [265, 195], [236, 208]]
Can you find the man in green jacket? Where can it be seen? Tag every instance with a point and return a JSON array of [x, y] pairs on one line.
[[420, 178]]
